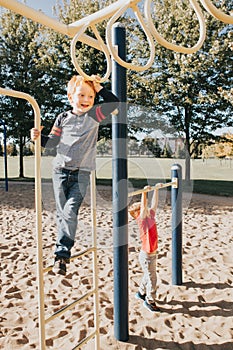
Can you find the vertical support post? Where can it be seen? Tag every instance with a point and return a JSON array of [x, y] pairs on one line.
[[5, 154], [38, 206], [176, 203], [5, 158], [95, 258], [120, 191]]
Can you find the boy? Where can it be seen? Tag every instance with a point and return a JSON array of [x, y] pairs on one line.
[[148, 233], [74, 134]]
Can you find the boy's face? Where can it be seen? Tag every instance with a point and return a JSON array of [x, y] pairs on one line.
[[82, 99]]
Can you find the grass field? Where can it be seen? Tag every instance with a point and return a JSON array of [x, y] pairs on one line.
[[212, 176]]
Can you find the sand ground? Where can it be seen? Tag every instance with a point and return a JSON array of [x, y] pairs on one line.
[[196, 315]]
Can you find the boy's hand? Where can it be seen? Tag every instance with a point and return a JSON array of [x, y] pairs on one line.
[[147, 187], [35, 133], [96, 82], [159, 185]]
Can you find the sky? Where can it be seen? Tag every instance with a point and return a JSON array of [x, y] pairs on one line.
[[45, 5]]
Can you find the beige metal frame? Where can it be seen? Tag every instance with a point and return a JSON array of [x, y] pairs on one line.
[[173, 184], [94, 291], [40, 269], [215, 12], [38, 207], [77, 29]]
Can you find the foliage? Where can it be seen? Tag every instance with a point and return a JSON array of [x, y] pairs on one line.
[[192, 91], [151, 146], [12, 150], [221, 149], [20, 42], [167, 152]]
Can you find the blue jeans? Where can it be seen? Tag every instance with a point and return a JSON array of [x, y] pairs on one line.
[[148, 284], [69, 191]]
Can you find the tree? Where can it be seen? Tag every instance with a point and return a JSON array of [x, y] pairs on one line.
[[221, 149], [1, 150], [167, 152], [151, 146], [20, 41], [12, 150], [193, 90]]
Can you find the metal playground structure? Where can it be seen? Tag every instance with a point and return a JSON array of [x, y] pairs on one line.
[[113, 12], [114, 49]]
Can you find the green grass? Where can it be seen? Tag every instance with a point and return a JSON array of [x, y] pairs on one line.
[[211, 177], [213, 187], [210, 187]]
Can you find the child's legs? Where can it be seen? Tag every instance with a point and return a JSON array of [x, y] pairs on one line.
[[69, 189], [149, 279], [142, 260]]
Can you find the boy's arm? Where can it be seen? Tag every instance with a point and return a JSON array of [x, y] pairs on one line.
[[53, 138], [103, 110], [144, 209], [155, 199]]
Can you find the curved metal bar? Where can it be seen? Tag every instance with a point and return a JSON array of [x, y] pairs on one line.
[[38, 205], [103, 47], [113, 50], [167, 44], [215, 12]]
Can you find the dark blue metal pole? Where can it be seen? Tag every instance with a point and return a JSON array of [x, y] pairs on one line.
[[176, 203], [120, 190], [5, 154]]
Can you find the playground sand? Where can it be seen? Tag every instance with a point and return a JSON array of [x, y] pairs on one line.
[[197, 315]]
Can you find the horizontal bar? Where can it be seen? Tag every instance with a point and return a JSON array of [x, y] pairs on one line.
[[84, 252], [85, 340], [173, 183], [70, 306], [72, 28]]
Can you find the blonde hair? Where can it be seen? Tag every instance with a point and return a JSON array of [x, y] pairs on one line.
[[135, 207], [78, 80]]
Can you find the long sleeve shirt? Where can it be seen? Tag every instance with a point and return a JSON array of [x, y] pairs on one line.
[[75, 136]]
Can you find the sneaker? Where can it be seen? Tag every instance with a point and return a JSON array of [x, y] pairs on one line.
[[138, 295], [151, 306], [59, 266]]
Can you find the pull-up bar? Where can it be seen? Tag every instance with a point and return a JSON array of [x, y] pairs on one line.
[[173, 184]]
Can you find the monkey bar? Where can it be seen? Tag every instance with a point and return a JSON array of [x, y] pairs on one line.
[[173, 184], [113, 12]]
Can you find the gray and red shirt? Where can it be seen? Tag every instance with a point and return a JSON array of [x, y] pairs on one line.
[[75, 136]]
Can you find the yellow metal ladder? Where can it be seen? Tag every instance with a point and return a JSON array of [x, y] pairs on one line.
[[40, 269], [93, 292]]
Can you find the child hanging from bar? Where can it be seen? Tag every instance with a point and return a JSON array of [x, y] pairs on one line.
[[145, 218]]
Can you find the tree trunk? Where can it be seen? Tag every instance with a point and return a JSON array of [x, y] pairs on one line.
[[21, 169], [187, 168], [187, 142]]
